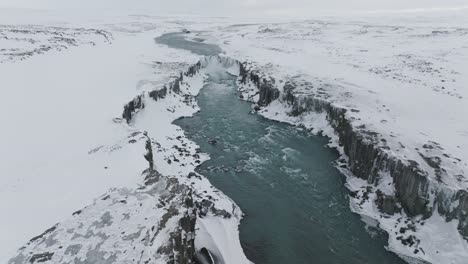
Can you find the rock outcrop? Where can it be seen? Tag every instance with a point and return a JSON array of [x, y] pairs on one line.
[[137, 103], [368, 156], [152, 224]]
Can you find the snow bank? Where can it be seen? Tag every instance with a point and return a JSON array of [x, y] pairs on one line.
[[408, 180], [217, 223], [61, 146], [400, 83]]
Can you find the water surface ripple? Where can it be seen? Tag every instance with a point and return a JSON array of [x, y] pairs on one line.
[[283, 178]]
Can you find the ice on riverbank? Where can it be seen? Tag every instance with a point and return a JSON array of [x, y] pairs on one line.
[[403, 80], [407, 117]]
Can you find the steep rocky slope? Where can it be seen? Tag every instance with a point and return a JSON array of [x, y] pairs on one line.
[[401, 193], [410, 198], [175, 216]]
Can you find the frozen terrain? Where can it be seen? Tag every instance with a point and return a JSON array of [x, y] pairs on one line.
[[68, 148], [400, 87], [390, 91]]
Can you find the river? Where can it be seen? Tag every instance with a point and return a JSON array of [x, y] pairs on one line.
[[282, 177]]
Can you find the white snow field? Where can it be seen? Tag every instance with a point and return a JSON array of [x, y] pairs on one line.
[[403, 78], [64, 145], [64, 81]]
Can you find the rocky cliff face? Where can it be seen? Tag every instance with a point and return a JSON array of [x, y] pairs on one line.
[[368, 157], [89, 236], [152, 224], [137, 104], [266, 87]]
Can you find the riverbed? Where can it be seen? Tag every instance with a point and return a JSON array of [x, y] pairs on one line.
[[283, 178]]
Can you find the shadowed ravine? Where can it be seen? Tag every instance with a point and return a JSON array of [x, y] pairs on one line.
[[283, 178]]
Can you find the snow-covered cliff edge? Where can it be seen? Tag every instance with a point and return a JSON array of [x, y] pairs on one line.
[[421, 203], [175, 216]]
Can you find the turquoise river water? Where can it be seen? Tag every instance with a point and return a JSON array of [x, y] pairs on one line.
[[283, 178]]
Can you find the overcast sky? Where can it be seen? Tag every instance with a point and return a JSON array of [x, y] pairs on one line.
[[232, 7]]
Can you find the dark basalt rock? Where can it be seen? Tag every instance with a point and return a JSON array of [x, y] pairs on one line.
[[367, 158], [288, 94], [204, 257], [206, 206], [90, 228], [181, 246], [149, 153], [194, 175], [48, 231], [43, 257], [133, 106], [460, 212], [151, 177], [267, 93], [192, 70], [158, 94], [386, 203], [368, 155], [76, 212], [367, 152]]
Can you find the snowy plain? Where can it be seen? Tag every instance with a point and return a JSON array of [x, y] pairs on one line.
[[57, 114], [70, 149], [404, 77]]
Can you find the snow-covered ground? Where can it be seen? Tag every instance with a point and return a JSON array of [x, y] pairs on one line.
[[57, 107], [64, 81], [63, 145], [402, 78], [406, 77]]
